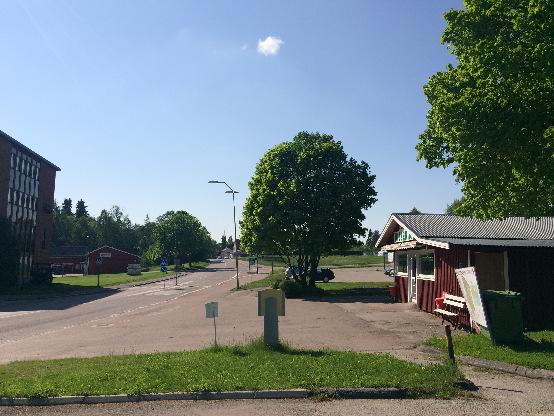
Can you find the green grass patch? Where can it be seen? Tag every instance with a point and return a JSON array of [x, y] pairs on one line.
[[119, 278], [331, 289], [354, 288], [272, 281], [335, 262], [535, 351], [249, 367]]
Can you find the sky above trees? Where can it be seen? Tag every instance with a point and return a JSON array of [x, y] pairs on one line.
[[142, 102]]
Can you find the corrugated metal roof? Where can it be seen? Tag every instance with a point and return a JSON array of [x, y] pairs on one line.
[[495, 242], [454, 227]]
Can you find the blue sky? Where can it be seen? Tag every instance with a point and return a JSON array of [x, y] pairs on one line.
[[142, 102]]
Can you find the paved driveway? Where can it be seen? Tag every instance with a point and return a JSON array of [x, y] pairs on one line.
[[153, 318]]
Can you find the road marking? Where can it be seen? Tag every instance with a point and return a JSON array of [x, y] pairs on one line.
[[113, 315], [18, 314], [157, 290]]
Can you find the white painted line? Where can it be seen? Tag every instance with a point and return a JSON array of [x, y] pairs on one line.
[[113, 315], [146, 292], [18, 314]]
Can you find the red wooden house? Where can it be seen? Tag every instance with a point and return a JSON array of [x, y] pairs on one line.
[[514, 254], [113, 260]]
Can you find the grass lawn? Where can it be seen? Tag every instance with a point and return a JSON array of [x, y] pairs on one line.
[[335, 262], [118, 278], [329, 289], [67, 284], [250, 367], [536, 350]]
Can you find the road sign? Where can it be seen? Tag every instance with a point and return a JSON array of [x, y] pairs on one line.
[[251, 261], [98, 260], [163, 269], [163, 265], [212, 310]]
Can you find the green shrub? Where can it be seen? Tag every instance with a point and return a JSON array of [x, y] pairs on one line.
[[9, 255], [41, 274], [293, 289]]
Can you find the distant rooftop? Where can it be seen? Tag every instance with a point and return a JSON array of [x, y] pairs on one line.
[[69, 251]]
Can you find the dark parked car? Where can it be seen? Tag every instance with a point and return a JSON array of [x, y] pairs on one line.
[[322, 275]]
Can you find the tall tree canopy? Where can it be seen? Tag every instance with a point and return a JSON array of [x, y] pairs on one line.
[[182, 235], [306, 199], [81, 209], [491, 114], [372, 237], [67, 206], [454, 207]]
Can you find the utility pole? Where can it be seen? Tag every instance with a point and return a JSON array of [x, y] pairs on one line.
[[233, 192]]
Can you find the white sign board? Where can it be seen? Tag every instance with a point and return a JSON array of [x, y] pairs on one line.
[[467, 279], [106, 255], [211, 310]]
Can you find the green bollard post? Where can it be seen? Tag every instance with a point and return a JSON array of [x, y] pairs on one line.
[[271, 323]]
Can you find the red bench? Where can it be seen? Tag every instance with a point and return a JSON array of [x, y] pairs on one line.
[[448, 307]]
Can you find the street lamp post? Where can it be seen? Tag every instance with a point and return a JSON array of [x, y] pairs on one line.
[[232, 192]]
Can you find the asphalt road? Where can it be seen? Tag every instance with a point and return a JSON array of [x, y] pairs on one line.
[[125, 320]]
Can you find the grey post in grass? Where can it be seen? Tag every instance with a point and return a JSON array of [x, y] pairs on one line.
[[450, 344], [271, 323], [232, 192]]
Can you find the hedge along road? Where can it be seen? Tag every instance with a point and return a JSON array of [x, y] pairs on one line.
[[153, 317]]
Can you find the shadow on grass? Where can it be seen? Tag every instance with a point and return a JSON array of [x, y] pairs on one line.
[[531, 345], [258, 346]]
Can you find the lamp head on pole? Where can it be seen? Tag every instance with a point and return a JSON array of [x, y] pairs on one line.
[[215, 182]]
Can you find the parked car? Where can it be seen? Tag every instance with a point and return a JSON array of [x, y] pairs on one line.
[[289, 272], [389, 271], [322, 275]]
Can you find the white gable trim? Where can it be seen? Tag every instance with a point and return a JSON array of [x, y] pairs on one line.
[[425, 241]]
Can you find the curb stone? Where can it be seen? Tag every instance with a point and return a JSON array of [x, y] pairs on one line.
[[519, 370], [360, 393]]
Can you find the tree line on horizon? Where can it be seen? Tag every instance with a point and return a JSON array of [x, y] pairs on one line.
[[175, 235]]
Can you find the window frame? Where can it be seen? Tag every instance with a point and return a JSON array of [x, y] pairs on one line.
[[417, 254]]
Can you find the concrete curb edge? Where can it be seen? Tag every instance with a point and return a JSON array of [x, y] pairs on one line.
[[358, 393], [519, 370]]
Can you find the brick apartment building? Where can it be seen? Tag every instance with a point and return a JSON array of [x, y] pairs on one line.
[[27, 182]]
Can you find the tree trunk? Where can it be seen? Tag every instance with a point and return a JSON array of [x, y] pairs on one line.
[[314, 262]]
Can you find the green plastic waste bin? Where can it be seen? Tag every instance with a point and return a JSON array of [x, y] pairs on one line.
[[504, 316]]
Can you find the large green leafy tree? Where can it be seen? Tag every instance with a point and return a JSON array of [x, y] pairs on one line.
[[183, 236], [306, 199], [9, 255], [491, 114]]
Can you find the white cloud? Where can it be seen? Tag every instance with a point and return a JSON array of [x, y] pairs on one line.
[[269, 46]]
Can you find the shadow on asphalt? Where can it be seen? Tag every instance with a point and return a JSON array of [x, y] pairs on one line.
[[54, 301]]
